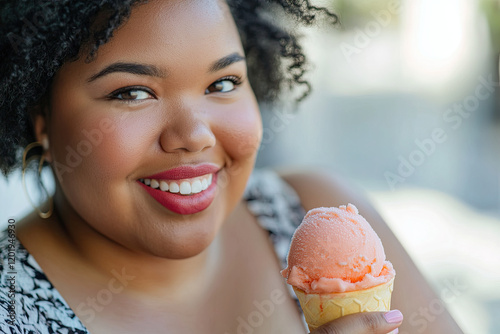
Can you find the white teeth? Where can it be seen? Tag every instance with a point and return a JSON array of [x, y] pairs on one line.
[[174, 187], [155, 184], [186, 187], [163, 186], [204, 184], [196, 187]]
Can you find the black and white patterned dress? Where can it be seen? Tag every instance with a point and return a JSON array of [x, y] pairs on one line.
[[40, 309]]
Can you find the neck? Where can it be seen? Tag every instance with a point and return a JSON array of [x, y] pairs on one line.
[[142, 273]]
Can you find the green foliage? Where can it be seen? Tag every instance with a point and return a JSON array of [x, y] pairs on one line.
[[491, 9], [356, 13]]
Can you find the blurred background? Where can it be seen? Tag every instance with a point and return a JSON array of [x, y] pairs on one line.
[[406, 107]]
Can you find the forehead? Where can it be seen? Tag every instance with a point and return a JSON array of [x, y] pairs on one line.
[[173, 29]]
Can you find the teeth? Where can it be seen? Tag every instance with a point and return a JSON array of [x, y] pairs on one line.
[[196, 187], [204, 184], [174, 187], [184, 187], [163, 186]]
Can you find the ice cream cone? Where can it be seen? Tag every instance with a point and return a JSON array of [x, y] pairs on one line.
[[322, 308]]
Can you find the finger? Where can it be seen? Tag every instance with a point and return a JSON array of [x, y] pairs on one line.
[[363, 323]]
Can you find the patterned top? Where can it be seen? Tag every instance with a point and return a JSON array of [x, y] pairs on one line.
[[40, 309]]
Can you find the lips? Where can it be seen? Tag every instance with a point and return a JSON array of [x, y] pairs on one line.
[[177, 202], [186, 172]]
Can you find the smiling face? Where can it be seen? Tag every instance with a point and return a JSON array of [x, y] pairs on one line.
[[152, 142]]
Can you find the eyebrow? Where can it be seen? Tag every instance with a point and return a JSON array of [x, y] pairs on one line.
[[133, 68], [154, 71], [225, 62]]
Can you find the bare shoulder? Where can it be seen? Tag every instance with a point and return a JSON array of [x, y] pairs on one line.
[[317, 188], [322, 188]]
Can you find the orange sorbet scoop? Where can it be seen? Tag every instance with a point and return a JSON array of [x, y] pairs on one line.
[[336, 250]]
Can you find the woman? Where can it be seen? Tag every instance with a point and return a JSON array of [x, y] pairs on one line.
[[149, 120]]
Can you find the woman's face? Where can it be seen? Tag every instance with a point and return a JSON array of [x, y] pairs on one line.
[[165, 105]]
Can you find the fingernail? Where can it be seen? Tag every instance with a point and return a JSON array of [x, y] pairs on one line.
[[45, 143], [393, 316]]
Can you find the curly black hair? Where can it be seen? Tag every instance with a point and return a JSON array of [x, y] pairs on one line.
[[38, 36]]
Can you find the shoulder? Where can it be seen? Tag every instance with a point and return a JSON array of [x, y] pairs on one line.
[[322, 188], [9, 254], [296, 191], [29, 303], [13, 299], [271, 199], [9, 285]]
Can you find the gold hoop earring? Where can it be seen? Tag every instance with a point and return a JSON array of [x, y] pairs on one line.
[[43, 215]]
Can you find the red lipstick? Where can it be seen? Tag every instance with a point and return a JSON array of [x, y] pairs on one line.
[[184, 204], [185, 172]]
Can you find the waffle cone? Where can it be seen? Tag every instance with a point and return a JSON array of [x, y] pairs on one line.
[[322, 308]]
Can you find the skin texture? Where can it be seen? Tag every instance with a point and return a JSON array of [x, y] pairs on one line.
[[181, 125], [189, 274], [412, 294], [105, 221]]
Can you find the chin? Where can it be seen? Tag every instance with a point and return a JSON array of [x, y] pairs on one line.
[[179, 250], [182, 239]]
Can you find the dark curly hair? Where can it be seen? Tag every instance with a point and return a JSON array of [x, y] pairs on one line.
[[39, 36]]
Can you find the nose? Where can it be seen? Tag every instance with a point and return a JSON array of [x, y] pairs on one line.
[[187, 130]]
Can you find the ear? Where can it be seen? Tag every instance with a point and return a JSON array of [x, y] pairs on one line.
[[40, 126]]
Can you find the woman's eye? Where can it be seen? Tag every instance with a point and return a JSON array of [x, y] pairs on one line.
[[131, 94], [223, 86]]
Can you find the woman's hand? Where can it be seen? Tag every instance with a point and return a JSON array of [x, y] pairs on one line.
[[363, 323]]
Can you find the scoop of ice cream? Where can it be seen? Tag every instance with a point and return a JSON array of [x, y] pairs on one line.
[[336, 250]]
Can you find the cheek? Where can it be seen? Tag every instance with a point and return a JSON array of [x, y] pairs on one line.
[[94, 155], [103, 147], [91, 149], [239, 131]]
